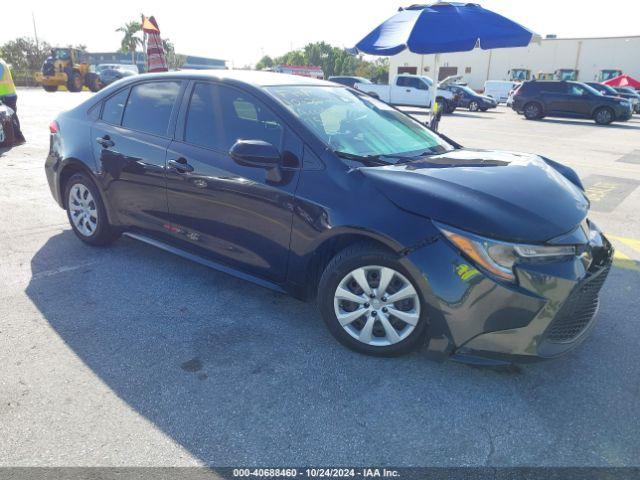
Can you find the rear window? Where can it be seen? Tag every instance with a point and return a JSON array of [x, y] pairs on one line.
[[149, 107], [114, 106]]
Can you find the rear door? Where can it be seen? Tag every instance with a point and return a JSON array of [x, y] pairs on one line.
[[130, 143], [553, 96], [237, 215]]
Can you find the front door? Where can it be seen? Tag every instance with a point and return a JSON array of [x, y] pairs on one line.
[[237, 215], [578, 100], [130, 141]]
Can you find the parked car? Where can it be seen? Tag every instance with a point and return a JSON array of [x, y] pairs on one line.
[[467, 98], [538, 99], [499, 89], [412, 90], [632, 97], [7, 121], [349, 81], [311, 188], [109, 73], [512, 92]]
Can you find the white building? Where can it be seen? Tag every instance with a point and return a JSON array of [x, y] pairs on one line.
[[589, 56]]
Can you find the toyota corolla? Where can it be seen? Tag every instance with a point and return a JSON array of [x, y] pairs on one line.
[[403, 237]]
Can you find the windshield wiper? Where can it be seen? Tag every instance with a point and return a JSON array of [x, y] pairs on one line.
[[369, 160]]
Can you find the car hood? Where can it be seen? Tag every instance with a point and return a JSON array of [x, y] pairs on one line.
[[503, 195]]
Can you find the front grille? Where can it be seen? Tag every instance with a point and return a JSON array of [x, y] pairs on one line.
[[578, 309]]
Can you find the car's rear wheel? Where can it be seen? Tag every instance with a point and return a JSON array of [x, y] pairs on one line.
[[603, 116], [86, 212], [370, 303], [50, 88], [533, 111]]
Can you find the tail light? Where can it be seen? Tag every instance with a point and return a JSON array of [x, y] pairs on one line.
[[54, 127]]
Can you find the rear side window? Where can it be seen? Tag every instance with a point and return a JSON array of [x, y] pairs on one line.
[[553, 87], [114, 106], [149, 107]]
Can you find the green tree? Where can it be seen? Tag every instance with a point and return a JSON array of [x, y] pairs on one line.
[[130, 41], [25, 58], [333, 61], [265, 62], [174, 60]]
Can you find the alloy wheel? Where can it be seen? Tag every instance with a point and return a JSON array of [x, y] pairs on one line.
[[473, 106], [604, 116], [83, 209], [377, 305]]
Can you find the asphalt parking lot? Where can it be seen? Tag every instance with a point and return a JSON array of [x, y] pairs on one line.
[[130, 356]]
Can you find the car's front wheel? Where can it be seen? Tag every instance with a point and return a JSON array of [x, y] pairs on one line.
[[86, 211], [370, 303], [473, 106], [603, 116]]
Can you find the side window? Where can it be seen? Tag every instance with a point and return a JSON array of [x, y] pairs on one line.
[[401, 81], [244, 117], [149, 107], [576, 90], [200, 127], [114, 106]]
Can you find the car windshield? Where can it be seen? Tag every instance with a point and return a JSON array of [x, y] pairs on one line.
[[358, 125], [466, 89], [589, 88], [606, 88]]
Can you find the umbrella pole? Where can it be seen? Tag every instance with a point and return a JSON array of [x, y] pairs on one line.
[[434, 87]]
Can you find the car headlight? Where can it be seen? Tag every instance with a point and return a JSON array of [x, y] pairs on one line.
[[499, 257]]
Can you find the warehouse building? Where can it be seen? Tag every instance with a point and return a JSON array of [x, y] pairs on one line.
[[582, 59]]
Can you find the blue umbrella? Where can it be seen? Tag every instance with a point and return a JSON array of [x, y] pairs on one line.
[[441, 28]]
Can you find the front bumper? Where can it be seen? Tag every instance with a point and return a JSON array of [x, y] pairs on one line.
[[476, 318], [57, 79]]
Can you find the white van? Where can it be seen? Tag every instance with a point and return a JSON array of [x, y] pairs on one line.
[[498, 89]]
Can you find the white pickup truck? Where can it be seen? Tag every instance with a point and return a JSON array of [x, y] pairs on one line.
[[410, 90]]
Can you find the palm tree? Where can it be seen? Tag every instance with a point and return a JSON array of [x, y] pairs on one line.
[[130, 41]]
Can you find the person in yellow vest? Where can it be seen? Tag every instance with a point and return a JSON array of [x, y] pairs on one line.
[[10, 98]]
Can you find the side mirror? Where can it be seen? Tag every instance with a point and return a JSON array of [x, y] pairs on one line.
[[255, 153]]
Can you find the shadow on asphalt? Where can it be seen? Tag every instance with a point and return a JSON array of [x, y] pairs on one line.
[[239, 375], [589, 123]]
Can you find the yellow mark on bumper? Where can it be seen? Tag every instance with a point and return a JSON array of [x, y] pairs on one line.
[[466, 272]]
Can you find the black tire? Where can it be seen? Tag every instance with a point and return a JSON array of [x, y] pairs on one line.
[[74, 81], [484, 109], [473, 106], [104, 233], [347, 260], [532, 111], [450, 107], [92, 81], [603, 116], [50, 88]]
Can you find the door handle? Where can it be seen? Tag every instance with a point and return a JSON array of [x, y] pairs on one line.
[[408, 90], [105, 142], [181, 165]]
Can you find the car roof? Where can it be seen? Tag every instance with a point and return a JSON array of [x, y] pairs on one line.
[[252, 77]]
